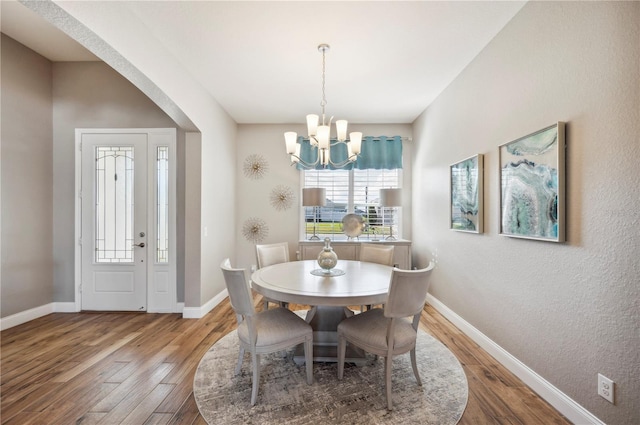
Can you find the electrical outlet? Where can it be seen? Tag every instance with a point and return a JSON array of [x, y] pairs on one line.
[[606, 388]]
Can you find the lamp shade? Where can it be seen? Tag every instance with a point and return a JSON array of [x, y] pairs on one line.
[[323, 136], [356, 142], [341, 129], [391, 197], [295, 158], [314, 197], [290, 140], [312, 124]]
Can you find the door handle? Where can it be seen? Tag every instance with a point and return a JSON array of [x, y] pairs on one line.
[[141, 244]]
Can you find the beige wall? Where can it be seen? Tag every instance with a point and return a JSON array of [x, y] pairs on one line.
[[568, 311], [117, 37], [192, 222], [91, 95], [27, 173], [39, 166], [253, 195]]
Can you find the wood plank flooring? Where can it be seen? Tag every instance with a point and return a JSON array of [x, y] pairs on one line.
[[136, 368]]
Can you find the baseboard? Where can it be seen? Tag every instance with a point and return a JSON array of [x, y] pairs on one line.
[[69, 307], [199, 312], [562, 402], [36, 312], [25, 316]]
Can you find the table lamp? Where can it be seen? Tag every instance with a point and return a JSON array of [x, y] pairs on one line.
[[390, 198], [314, 197]]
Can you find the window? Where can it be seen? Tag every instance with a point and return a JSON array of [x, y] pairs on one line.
[[162, 204], [352, 191]]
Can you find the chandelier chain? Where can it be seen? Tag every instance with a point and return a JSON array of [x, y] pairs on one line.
[[323, 103]]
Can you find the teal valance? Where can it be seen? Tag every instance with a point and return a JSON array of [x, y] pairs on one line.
[[379, 153]]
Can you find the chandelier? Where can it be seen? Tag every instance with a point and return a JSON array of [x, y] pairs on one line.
[[319, 135]]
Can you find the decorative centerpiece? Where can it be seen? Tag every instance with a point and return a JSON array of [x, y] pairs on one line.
[[327, 260]]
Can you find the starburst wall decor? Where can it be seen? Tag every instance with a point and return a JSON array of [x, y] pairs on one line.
[[281, 197], [255, 229], [255, 166]]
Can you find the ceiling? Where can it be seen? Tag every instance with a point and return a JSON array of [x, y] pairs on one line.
[[388, 60]]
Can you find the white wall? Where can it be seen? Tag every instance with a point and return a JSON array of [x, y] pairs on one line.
[[253, 195], [568, 311], [27, 174], [218, 196]]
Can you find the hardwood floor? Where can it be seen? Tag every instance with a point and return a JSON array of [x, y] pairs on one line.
[[132, 368]]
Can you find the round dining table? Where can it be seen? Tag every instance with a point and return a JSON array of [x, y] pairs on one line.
[[352, 283]]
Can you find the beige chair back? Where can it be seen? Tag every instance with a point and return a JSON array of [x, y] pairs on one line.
[[381, 254], [239, 292], [407, 292], [274, 253], [279, 328]]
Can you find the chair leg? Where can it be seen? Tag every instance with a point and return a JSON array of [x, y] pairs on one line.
[[255, 363], [265, 305], [342, 350], [308, 358], [239, 365], [387, 376], [414, 365]]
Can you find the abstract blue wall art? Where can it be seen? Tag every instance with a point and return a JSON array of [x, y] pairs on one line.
[[467, 194], [532, 185]]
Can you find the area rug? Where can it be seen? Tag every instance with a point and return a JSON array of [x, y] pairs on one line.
[[285, 397]]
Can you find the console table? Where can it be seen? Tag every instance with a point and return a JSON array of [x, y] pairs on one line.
[[350, 250]]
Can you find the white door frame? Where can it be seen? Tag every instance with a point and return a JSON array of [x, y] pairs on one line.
[[161, 277]]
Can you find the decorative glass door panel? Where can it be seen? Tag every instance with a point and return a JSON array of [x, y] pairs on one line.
[[114, 204], [162, 207]]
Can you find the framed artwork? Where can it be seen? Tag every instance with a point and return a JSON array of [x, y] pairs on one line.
[[532, 203], [466, 181]]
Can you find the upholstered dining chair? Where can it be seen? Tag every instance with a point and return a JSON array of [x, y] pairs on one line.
[[268, 254], [388, 332], [381, 254], [264, 332]]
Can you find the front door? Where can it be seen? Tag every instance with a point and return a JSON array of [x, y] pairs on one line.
[[114, 221]]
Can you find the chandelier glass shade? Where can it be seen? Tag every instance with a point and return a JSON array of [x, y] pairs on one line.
[[319, 133]]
